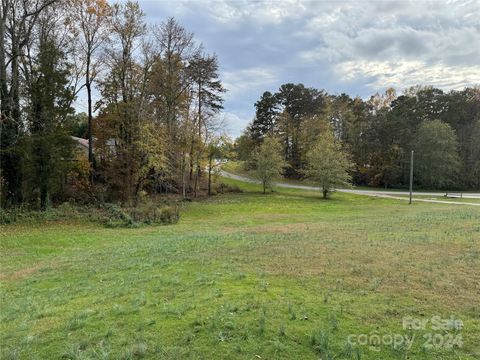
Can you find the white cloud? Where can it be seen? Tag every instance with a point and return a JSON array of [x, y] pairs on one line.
[[234, 125], [382, 44], [355, 47], [233, 13], [240, 82], [403, 74]]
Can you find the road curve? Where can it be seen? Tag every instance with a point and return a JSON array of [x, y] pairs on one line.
[[373, 193]]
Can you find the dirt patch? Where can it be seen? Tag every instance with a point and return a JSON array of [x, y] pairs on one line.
[[21, 274]]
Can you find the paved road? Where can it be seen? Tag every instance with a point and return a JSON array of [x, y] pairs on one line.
[[374, 193]]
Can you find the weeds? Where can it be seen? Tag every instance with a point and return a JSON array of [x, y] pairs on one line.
[[320, 343], [111, 215]]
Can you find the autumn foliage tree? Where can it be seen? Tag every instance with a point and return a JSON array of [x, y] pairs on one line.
[[328, 165], [88, 20], [269, 163], [152, 128]]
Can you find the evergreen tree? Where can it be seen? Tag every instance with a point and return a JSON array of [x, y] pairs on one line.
[[436, 155], [48, 150], [207, 89], [265, 117]]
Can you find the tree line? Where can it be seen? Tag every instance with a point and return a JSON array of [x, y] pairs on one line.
[[378, 134], [154, 128]]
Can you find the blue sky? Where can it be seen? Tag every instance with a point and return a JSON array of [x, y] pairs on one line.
[[357, 47]]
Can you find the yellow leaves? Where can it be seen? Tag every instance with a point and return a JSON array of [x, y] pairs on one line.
[[152, 142], [97, 8]]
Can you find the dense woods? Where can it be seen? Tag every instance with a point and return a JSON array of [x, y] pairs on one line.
[[378, 134], [153, 130]]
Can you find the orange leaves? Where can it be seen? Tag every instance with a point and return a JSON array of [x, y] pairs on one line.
[[91, 10]]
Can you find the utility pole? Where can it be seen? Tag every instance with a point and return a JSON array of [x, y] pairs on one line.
[[411, 177]]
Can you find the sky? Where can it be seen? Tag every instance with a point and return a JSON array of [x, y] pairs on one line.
[[358, 47]]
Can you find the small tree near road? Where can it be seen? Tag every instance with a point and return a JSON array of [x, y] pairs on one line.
[[327, 164], [269, 162]]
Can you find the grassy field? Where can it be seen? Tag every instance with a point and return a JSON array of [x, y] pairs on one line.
[[443, 198], [246, 276]]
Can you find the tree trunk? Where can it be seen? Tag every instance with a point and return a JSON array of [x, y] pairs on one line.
[[90, 116], [210, 176], [43, 197], [197, 173], [14, 89], [325, 192], [183, 177], [43, 187], [10, 166], [264, 187], [3, 69], [191, 160]]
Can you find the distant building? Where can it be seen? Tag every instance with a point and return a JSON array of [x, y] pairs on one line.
[[82, 144]]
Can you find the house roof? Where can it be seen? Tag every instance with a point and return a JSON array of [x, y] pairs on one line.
[[82, 142]]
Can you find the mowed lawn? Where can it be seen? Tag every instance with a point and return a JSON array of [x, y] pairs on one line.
[[245, 276]]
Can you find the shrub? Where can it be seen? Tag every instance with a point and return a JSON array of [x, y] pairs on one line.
[[111, 215], [169, 215], [65, 211], [152, 213], [7, 216], [223, 188], [115, 216]]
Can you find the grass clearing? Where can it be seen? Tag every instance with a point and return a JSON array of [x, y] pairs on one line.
[[444, 198], [286, 275]]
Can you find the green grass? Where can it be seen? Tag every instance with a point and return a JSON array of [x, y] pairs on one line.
[[443, 198], [247, 276]]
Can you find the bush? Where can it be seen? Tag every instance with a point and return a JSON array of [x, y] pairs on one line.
[[169, 215], [115, 216], [65, 211], [151, 213], [223, 188], [110, 215], [7, 216], [145, 213]]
